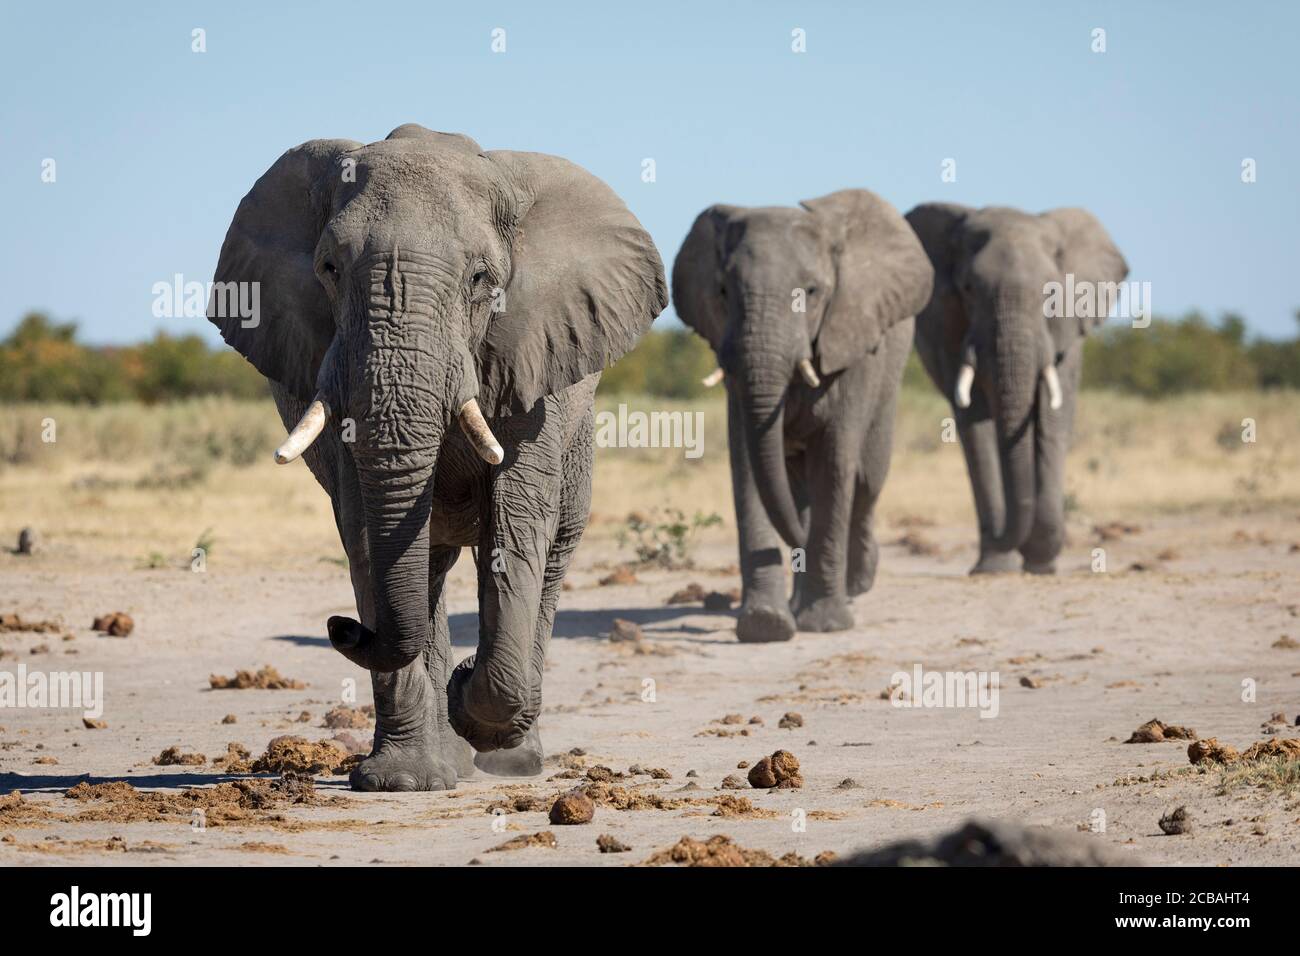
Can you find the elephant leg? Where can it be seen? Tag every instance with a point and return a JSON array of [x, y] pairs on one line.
[[415, 748], [764, 611], [1052, 444], [525, 760], [979, 443], [873, 467], [823, 603]]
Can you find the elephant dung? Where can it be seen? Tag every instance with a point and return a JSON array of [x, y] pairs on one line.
[[721, 600], [611, 844], [293, 754], [1154, 731], [1202, 751], [780, 770], [572, 808], [114, 624]]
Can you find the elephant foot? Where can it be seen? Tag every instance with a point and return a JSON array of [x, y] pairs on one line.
[[861, 583], [997, 562], [402, 767], [763, 623], [1040, 567], [522, 761], [824, 614], [458, 752]]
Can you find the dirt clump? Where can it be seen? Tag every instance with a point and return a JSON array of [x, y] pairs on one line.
[[236, 759], [237, 802], [268, 678], [572, 808], [1114, 530], [175, 757], [91, 723], [14, 623], [917, 544], [15, 811], [1177, 822], [780, 770], [693, 593], [1288, 748], [848, 783], [624, 631], [1211, 751], [734, 782], [722, 850], [230, 719], [611, 844], [293, 754], [790, 720], [627, 798], [544, 838], [1286, 643], [1154, 731], [114, 624], [620, 575], [350, 718], [730, 805]]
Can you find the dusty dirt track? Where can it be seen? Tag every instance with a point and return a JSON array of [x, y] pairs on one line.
[[1108, 651]]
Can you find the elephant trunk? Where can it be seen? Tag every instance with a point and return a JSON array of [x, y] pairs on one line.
[[1019, 353], [765, 371], [400, 418]]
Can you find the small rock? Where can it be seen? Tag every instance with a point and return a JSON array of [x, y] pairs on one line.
[[1177, 822], [848, 783], [92, 724], [624, 630], [790, 720], [693, 593], [1031, 682], [572, 808], [26, 541], [734, 782]]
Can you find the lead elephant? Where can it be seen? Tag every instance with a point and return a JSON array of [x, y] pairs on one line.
[[809, 311], [997, 342], [407, 286]]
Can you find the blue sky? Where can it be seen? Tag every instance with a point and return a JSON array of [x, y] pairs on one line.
[[155, 144]]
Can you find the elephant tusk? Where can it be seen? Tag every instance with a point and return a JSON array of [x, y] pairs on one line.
[[305, 432], [809, 373], [476, 429], [712, 379], [965, 379], [1053, 387]]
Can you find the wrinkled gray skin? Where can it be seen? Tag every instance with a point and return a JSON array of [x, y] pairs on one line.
[[991, 270], [379, 267], [807, 464]]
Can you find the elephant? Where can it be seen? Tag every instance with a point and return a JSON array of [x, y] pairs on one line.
[[1010, 362], [406, 286], [809, 311]]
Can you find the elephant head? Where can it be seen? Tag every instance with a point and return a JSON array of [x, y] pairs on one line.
[[419, 282], [790, 297], [994, 270]]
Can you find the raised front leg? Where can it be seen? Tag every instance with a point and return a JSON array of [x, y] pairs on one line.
[[764, 611], [821, 600]]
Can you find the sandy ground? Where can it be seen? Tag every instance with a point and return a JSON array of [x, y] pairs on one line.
[[1202, 584], [1107, 651]]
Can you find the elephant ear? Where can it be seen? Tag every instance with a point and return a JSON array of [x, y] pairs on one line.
[[586, 282], [1085, 250], [271, 243], [882, 275], [697, 279], [943, 320]]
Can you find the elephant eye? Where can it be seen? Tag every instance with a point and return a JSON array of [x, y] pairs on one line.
[[811, 290], [329, 269], [480, 277]]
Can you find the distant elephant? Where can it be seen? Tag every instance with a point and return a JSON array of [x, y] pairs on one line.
[[1009, 362], [407, 286], [809, 311]]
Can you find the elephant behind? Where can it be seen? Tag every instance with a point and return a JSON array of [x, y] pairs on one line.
[[406, 288], [809, 311], [1010, 362]]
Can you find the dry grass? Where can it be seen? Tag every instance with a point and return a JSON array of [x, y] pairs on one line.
[[124, 484], [1279, 774]]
